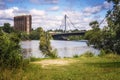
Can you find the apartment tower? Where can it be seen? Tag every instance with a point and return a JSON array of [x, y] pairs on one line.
[[23, 23]]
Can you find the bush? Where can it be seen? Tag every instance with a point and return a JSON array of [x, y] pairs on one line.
[[54, 54], [102, 53], [87, 54], [75, 56], [112, 56], [10, 51], [35, 59], [45, 45], [25, 63]]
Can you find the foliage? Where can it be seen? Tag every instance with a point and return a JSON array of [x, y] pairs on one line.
[[92, 35], [45, 45], [102, 53], [111, 56], [75, 56], [87, 54], [24, 36], [57, 30], [54, 54], [1, 27], [10, 50], [114, 1], [35, 34], [75, 38], [35, 59], [94, 24], [108, 38], [112, 40], [7, 28]]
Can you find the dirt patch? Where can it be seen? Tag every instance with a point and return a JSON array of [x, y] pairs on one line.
[[57, 62]]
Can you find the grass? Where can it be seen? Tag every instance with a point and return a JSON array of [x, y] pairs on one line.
[[81, 68]]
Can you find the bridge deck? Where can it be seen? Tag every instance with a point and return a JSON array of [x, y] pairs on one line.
[[69, 34], [60, 36]]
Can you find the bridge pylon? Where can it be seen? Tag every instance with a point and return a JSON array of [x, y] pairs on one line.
[[65, 17]]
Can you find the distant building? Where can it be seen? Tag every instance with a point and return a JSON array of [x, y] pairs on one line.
[[23, 23]]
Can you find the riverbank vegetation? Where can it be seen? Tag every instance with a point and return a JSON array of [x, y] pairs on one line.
[[10, 51], [45, 45], [81, 68], [108, 38]]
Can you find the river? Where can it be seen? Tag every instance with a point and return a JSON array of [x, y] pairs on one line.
[[64, 48]]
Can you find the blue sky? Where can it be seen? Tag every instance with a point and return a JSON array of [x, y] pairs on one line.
[[49, 14]]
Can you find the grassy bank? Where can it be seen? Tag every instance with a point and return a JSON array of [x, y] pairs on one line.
[[82, 68]]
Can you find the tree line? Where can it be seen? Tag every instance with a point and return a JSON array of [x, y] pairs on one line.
[[107, 38]]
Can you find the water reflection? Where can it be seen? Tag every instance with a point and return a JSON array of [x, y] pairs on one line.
[[32, 49], [64, 48], [26, 52]]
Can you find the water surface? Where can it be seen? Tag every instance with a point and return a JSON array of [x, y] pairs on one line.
[[64, 48]]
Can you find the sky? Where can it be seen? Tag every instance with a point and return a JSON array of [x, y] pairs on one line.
[[49, 14]]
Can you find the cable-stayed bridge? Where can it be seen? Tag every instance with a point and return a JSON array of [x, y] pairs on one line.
[[65, 33]]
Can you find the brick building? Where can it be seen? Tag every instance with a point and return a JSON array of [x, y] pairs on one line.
[[23, 23]]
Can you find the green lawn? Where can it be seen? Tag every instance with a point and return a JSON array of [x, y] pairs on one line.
[[89, 68]]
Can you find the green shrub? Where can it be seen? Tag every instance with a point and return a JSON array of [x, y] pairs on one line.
[[75, 56], [35, 59], [102, 53], [10, 51], [45, 45], [87, 54], [25, 62], [111, 55], [54, 54]]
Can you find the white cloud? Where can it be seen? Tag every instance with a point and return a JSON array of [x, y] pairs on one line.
[[97, 9], [36, 12], [49, 22], [7, 15], [55, 8], [44, 1], [107, 5], [93, 10], [10, 12], [39, 17]]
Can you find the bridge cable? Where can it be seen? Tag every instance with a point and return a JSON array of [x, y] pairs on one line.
[[61, 24], [69, 27], [72, 23], [77, 18], [106, 16]]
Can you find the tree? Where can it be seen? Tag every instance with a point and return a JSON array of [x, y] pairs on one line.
[[114, 27], [116, 2], [45, 45], [35, 34], [10, 51], [7, 28], [110, 35], [24, 36], [94, 25], [92, 35]]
